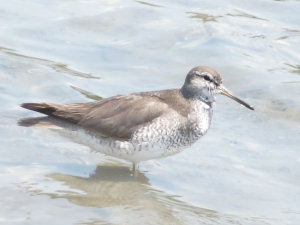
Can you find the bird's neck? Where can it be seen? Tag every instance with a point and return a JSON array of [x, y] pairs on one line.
[[203, 94]]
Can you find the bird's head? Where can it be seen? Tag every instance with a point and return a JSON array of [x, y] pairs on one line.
[[204, 83]]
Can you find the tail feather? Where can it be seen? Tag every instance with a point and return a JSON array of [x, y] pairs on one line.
[[72, 113], [39, 107], [38, 122]]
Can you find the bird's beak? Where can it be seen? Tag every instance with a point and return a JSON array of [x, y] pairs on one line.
[[229, 94]]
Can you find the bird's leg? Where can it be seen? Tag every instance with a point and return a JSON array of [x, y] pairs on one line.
[[134, 170], [133, 167]]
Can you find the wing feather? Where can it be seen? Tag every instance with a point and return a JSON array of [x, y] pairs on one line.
[[117, 117], [120, 117]]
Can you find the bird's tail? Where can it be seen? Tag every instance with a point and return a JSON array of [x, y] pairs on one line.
[[39, 122], [43, 108]]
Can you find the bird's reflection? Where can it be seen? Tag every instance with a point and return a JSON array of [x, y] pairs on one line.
[[112, 186]]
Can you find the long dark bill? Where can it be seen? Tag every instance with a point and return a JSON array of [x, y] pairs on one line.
[[229, 94]]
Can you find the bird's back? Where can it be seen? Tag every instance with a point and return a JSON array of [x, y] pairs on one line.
[[119, 116]]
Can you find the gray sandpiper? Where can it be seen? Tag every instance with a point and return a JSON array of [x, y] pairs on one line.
[[140, 126]]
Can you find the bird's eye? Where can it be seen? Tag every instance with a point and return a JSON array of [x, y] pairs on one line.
[[205, 77]]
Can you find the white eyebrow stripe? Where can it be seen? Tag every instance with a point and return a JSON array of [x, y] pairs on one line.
[[206, 73], [212, 78]]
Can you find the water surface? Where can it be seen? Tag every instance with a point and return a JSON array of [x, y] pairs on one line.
[[244, 171]]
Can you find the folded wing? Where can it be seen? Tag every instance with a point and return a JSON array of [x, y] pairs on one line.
[[117, 117]]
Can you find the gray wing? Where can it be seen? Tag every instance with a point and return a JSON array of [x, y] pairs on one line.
[[117, 117]]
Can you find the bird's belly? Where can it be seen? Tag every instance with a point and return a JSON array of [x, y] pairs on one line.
[[163, 137], [97, 143], [155, 144]]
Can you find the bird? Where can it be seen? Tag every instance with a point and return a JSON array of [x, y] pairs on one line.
[[139, 126]]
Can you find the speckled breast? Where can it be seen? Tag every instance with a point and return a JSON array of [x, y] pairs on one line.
[[166, 135], [170, 134]]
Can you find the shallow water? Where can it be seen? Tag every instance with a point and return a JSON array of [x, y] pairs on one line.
[[244, 171]]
